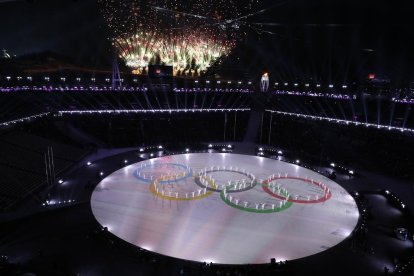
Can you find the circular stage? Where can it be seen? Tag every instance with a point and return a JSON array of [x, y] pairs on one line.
[[224, 208]]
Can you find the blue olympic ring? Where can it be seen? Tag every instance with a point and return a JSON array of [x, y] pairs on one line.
[[186, 168]]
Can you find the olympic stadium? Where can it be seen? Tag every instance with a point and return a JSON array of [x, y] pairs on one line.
[[206, 138]]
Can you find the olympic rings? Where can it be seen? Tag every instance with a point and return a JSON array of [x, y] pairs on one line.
[[208, 186]]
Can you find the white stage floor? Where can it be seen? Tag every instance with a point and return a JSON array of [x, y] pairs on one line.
[[171, 206]]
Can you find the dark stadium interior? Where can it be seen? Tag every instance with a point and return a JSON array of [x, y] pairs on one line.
[[339, 103]]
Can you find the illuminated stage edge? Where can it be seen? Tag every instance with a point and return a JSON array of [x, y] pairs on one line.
[[224, 208]]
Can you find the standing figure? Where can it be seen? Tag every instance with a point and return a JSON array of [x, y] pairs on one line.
[[264, 82]]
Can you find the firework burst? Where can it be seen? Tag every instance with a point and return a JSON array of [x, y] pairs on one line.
[[189, 35]]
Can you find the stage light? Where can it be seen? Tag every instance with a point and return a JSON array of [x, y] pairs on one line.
[[286, 84], [344, 86], [331, 86], [297, 161], [260, 149], [126, 161], [151, 154], [101, 173], [229, 146], [88, 163], [280, 152], [403, 205], [296, 84], [210, 146], [187, 150], [387, 192], [159, 147], [60, 181], [318, 85], [307, 85], [333, 165], [351, 172], [141, 150]]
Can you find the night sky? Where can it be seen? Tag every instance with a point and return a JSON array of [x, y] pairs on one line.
[[328, 40]]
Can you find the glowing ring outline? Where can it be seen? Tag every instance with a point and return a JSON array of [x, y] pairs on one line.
[[265, 186], [287, 205], [189, 173], [198, 182], [152, 189]]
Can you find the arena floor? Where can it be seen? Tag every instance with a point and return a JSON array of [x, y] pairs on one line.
[[224, 208]]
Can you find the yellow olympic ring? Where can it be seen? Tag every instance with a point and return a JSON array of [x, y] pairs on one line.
[[195, 195]]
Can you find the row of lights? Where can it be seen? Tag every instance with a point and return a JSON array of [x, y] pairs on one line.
[[271, 150], [25, 119], [62, 79], [363, 210], [123, 111], [404, 101], [340, 121], [333, 165], [141, 150], [55, 203], [307, 85], [110, 88], [160, 147], [71, 89], [224, 147], [315, 94], [394, 199], [261, 151], [189, 90], [93, 79], [220, 82]]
